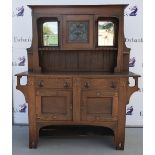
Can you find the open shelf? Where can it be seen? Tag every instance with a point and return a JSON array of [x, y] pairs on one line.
[[97, 48]]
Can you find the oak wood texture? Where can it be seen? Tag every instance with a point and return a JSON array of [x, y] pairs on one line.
[[62, 60], [77, 83]]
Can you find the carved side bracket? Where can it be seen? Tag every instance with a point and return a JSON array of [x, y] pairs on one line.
[[131, 90], [22, 88]]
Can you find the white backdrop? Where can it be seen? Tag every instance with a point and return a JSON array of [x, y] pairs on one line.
[[22, 35]]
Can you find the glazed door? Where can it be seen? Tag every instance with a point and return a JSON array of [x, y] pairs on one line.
[[77, 31], [98, 105], [54, 104]]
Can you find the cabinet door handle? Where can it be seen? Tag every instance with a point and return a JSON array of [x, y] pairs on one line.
[[41, 83], [86, 84], [66, 84]]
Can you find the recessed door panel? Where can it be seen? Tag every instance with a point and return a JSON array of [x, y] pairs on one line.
[[99, 105], [54, 105]]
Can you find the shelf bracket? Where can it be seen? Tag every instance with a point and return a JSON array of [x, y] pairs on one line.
[[22, 88], [131, 90]]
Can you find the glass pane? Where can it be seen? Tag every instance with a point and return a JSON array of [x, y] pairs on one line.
[[50, 33], [78, 31], [105, 33]]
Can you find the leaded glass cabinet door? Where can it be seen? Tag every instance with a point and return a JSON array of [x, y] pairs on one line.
[[77, 31]]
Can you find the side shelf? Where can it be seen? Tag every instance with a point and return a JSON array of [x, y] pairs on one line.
[[22, 88], [131, 90]]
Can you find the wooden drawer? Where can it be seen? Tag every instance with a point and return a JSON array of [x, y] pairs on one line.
[[54, 83], [105, 84]]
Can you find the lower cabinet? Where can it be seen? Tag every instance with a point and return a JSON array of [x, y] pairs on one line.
[[54, 104], [95, 106], [75, 100], [98, 105], [98, 102]]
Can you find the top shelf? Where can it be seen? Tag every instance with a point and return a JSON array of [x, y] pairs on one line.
[[76, 6]]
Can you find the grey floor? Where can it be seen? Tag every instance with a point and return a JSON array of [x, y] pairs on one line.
[[77, 145]]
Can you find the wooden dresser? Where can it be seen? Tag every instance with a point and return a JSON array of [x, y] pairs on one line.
[[78, 69]]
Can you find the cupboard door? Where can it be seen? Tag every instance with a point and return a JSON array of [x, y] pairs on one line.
[[97, 105], [77, 32], [54, 104]]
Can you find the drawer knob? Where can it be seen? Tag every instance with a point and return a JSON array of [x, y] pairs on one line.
[[98, 93], [113, 84], [66, 84], [41, 83], [37, 116], [97, 118], [54, 117], [86, 84]]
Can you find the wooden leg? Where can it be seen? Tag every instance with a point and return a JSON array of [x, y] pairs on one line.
[[119, 140], [120, 130], [33, 137], [120, 146], [33, 132], [32, 144]]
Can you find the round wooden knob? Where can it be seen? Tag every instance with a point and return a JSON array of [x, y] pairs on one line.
[[113, 85], [41, 83], [86, 84], [66, 84], [97, 118], [98, 93], [54, 117]]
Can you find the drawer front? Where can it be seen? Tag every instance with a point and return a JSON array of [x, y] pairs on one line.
[[104, 84], [54, 83], [99, 105]]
